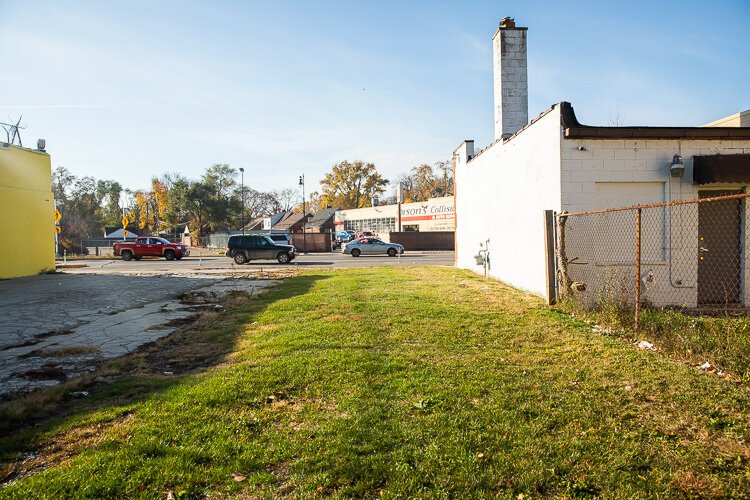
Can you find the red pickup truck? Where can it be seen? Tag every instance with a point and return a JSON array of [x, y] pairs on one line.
[[150, 246]]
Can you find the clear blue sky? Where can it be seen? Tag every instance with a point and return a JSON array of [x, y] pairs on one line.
[[128, 90]]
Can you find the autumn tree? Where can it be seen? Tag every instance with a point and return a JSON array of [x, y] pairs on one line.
[[424, 182], [352, 185]]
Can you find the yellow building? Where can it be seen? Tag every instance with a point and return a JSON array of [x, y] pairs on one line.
[[741, 119], [27, 244]]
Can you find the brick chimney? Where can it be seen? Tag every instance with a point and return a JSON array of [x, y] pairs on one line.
[[511, 81]]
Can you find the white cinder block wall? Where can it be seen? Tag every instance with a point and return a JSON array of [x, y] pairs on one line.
[[500, 196], [599, 174]]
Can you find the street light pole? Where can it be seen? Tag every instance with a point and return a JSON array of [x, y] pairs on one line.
[[242, 197], [304, 217]]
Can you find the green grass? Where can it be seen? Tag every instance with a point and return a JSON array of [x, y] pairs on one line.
[[723, 339], [406, 382]]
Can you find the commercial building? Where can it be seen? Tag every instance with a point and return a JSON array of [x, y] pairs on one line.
[[27, 207], [556, 163], [435, 214]]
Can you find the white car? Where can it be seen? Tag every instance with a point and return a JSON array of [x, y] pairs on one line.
[[372, 246]]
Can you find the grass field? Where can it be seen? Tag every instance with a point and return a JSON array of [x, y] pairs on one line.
[[398, 382]]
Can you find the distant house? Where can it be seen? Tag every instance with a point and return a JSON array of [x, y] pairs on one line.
[[272, 220], [322, 222], [255, 224], [292, 222], [118, 233]]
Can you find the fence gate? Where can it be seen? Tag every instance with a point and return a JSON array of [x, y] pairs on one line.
[[719, 249]]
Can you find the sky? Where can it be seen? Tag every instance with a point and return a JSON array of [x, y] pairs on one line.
[[131, 89]]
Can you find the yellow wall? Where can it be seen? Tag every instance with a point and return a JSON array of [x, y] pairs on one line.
[[27, 241], [741, 119]]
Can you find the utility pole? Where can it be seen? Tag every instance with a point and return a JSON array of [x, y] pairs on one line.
[[304, 214], [399, 200], [242, 198]]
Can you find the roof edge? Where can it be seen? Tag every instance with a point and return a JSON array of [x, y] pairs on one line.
[[573, 129]]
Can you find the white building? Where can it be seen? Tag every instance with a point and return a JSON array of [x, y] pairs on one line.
[[555, 163], [435, 214]]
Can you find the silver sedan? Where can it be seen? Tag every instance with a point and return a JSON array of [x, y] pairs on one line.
[[372, 246]]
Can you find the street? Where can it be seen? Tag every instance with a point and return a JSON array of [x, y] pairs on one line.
[[220, 265]]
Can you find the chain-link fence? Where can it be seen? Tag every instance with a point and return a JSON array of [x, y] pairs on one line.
[[689, 255]]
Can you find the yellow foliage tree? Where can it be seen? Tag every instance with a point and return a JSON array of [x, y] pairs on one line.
[[351, 185]]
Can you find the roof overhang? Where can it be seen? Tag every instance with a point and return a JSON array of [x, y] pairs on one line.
[[721, 168], [573, 129]]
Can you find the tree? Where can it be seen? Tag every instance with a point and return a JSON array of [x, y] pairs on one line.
[[197, 203], [224, 205], [287, 198], [62, 180], [352, 185], [424, 182], [175, 213], [259, 204], [109, 193]]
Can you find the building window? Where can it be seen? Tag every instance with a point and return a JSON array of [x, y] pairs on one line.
[[379, 226]]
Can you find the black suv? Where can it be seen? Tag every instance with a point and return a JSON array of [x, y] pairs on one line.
[[245, 248]]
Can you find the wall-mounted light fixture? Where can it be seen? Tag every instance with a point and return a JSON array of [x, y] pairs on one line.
[[676, 168]]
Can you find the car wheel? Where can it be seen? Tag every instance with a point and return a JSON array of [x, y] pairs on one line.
[[169, 255], [127, 255], [283, 258], [356, 252], [180, 257], [239, 258], [391, 252], [137, 257]]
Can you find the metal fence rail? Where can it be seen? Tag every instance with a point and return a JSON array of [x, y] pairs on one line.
[[682, 254]]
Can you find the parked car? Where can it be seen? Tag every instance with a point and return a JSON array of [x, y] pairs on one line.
[[282, 238], [345, 236], [246, 248], [372, 246], [150, 246], [363, 234]]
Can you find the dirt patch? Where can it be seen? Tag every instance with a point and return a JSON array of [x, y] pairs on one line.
[[335, 318], [61, 448], [697, 486]]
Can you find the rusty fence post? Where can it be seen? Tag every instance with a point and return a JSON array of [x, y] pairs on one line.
[[563, 280], [637, 268]]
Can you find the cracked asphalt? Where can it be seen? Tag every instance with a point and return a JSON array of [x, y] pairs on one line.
[[58, 326]]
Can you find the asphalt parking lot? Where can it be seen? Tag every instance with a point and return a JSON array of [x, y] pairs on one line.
[[59, 326], [55, 327]]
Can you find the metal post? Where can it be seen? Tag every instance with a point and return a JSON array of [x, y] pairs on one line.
[[637, 268], [549, 253], [242, 199], [304, 218]]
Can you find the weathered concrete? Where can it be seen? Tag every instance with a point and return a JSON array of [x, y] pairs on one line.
[[54, 327]]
